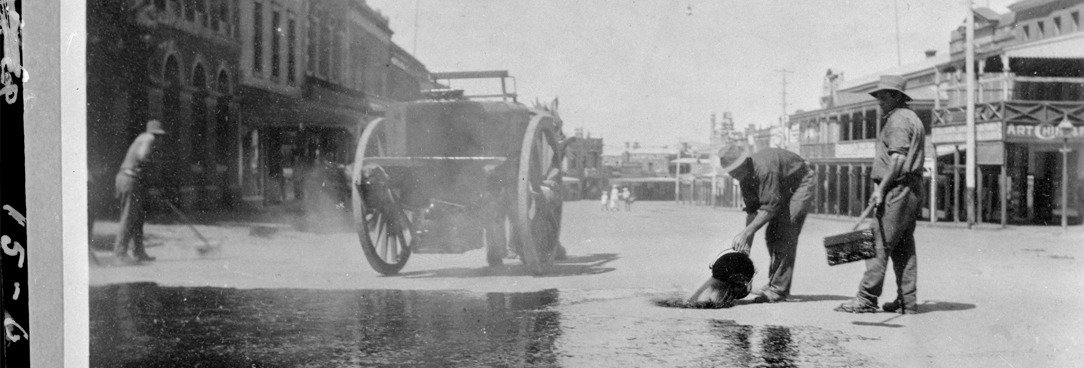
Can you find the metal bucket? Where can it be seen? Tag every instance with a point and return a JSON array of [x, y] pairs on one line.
[[735, 270]]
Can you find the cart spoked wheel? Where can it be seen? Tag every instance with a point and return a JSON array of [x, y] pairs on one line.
[[538, 201], [384, 223]]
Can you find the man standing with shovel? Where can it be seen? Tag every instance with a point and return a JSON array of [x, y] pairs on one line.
[[897, 178], [777, 187], [132, 193]]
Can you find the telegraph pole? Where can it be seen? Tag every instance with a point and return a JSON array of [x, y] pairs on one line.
[[416, 6], [969, 70], [899, 61], [784, 72], [783, 129]]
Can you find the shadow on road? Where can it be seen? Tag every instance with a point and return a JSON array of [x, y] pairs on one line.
[[940, 306], [814, 298], [572, 266], [104, 242], [925, 307]]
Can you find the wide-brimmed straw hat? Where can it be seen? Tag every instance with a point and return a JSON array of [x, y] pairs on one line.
[[733, 155], [891, 83], [155, 127]]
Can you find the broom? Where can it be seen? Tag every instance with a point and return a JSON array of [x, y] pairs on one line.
[[851, 246], [207, 247]]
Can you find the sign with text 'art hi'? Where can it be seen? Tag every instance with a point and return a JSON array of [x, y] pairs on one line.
[[958, 133], [1022, 132]]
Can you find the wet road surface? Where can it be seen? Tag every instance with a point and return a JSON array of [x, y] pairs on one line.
[[146, 325]]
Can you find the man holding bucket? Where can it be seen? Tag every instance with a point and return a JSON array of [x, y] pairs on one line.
[[777, 187], [897, 178]]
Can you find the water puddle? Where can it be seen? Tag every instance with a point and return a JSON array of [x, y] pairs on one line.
[[145, 325]]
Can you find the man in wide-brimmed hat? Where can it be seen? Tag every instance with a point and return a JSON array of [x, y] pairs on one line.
[[131, 192], [777, 187], [897, 179]]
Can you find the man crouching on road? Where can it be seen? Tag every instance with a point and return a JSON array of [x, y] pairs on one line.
[[776, 186]]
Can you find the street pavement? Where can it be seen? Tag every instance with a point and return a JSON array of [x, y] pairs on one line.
[[990, 297]]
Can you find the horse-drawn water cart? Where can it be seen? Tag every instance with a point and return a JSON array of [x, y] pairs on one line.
[[458, 172]]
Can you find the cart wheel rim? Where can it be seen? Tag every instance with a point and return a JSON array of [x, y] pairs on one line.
[[539, 202], [384, 224]]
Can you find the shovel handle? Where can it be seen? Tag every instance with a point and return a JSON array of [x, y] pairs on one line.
[[696, 295], [865, 214]]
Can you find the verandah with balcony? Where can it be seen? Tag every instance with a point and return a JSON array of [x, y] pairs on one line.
[[1016, 100]]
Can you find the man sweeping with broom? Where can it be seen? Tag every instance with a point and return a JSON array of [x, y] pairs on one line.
[[777, 187], [897, 177], [131, 192]]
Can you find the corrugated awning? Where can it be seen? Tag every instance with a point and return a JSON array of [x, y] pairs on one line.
[[1070, 46]]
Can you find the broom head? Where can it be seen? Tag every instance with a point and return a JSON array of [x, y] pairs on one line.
[[850, 246]]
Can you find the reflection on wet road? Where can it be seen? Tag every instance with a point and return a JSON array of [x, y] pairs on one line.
[[145, 325]]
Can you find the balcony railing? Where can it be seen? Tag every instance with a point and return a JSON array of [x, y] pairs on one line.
[[993, 87], [1037, 112], [821, 150], [997, 87]]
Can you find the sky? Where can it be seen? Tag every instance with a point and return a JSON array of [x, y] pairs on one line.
[[654, 71]]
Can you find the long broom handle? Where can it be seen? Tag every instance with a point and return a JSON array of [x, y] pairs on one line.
[[863, 217], [187, 222]]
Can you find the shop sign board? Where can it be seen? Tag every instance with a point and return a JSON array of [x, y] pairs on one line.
[[855, 150], [1024, 132], [958, 133]]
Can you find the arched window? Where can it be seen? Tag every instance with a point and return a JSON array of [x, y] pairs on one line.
[[171, 118], [172, 71], [199, 77], [222, 132], [223, 82], [197, 143]]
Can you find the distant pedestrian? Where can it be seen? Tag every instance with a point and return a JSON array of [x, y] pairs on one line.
[[605, 201], [131, 191], [777, 187], [897, 180], [614, 196], [626, 196]]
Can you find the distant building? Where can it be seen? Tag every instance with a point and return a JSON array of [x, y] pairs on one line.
[[583, 162], [1030, 64], [640, 168], [650, 161]]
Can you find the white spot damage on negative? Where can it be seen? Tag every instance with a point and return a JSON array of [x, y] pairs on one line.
[[15, 215], [8, 332], [69, 47], [10, 25], [16, 250], [15, 295]]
